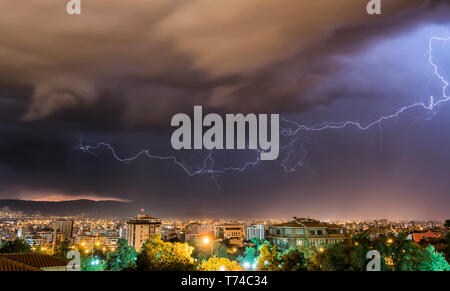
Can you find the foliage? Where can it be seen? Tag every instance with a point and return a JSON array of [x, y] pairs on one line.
[[62, 252], [269, 259], [433, 261], [17, 246], [91, 263], [293, 260], [157, 255], [124, 257], [219, 264], [447, 223]]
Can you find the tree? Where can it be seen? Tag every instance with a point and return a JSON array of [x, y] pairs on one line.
[[124, 257], [447, 223], [219, 264], [269, 259], [293, 260], [91, 263], [17, 246], [62, 252], [157, 255], [433, 261]]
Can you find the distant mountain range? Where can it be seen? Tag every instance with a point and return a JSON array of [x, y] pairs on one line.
[[88, 208]]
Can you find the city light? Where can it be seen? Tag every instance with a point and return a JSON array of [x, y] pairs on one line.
[[222, 268], [246, 265], [206, 240]]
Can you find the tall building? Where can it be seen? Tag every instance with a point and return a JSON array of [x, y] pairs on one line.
[[255, 231], [141, 228], [63, 226], [307, 232]]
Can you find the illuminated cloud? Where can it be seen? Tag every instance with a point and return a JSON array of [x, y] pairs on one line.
[[166, 55]]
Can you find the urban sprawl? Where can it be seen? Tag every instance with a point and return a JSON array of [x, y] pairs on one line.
[[33, 242]]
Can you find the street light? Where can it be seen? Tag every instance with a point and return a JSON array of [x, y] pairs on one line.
[[206, 241]]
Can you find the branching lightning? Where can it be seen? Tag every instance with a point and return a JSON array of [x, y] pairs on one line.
[[290, 161]]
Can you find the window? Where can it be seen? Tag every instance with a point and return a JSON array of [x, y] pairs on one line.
[[299, 231], [278, 231], [287, 231], [319, 232], [341, 231], [299, 242], [312, 231]]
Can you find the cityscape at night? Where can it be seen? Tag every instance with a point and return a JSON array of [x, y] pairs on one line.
[[213, 135]]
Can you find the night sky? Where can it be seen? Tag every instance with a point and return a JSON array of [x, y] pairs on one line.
[[118, 72]]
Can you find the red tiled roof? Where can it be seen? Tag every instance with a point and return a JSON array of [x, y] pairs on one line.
[[429, 234], [10, 265], [35, 260]]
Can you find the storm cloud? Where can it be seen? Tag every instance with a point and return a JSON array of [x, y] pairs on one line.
[[163, 56]]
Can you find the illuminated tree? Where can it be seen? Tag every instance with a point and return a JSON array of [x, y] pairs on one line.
[[219, 264], [268, 259], [433, 261], [293, 260], [165, 256], [123, 257], [91, 263]]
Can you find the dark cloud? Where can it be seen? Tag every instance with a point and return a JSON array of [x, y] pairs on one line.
[[165, 56]]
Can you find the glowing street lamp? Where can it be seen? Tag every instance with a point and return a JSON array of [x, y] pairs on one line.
[[206, 241], [389, 241], [321, 249]]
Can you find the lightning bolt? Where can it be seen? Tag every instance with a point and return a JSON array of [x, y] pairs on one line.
[[290, 162]]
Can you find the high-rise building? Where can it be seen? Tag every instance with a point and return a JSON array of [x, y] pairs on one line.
[[255, 231], [63, 226], [141, 228]]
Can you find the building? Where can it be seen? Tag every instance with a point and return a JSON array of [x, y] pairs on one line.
[[63, 226], [231, 232], [255, 231], [195, 230], [307, 232], [141, 228], [31, 262], [417, 237]]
